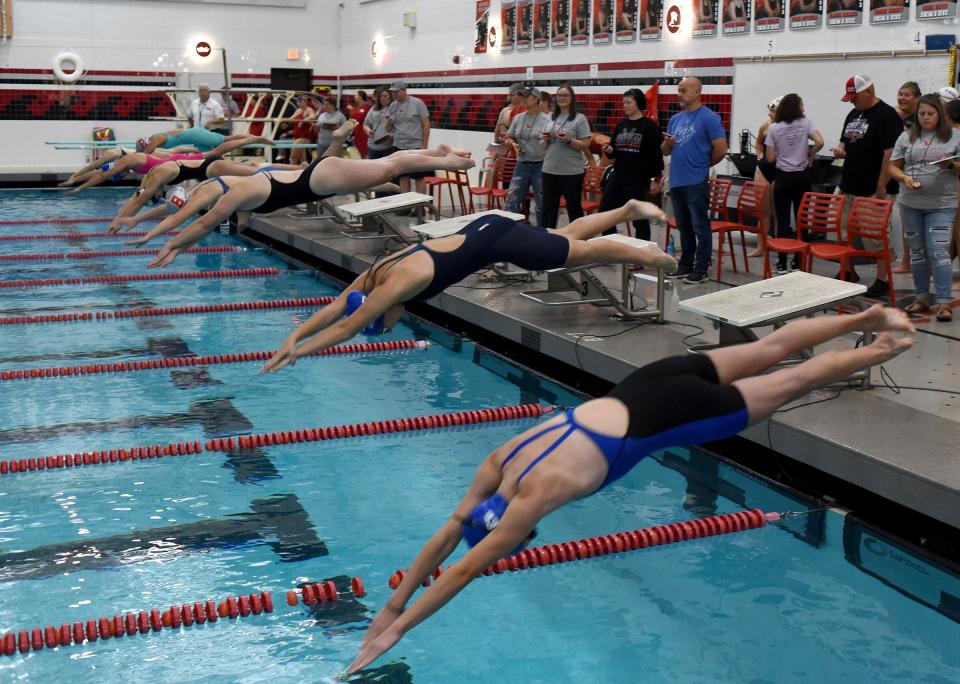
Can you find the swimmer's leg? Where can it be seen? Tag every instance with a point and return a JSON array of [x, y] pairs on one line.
[[592, 225], [745, 360], [343, 176]]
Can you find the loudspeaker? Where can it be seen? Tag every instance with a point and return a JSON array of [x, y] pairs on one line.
[[291, 79]]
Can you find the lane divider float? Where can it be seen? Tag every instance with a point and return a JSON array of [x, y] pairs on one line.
[[235, 442], [607, 544], [110, 279], [186, 361], [78, 236], [55, 256], [169, 311], [173, 618], [35, 222]]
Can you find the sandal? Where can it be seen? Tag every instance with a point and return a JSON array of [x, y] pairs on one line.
[[918, 306], [944, 314]]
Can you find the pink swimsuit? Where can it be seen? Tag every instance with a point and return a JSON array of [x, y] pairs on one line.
[[156, 161]]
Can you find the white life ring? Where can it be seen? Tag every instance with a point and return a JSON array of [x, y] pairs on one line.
[[67, 58]]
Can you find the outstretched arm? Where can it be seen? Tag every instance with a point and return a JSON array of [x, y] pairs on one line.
[[131, 221], [104, 158], [149, 187], [201, 197], [518, 522]]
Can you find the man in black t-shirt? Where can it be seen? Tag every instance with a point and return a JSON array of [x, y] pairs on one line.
[[869, 133]]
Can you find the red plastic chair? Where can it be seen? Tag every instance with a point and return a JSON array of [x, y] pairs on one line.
[[819, 212], [591, 186], [749, 204], [717, 207], [868, 219], [503, 170], [458, 180]]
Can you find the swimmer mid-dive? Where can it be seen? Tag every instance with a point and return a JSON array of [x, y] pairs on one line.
[[119, 162], [681, 400], [374, 301], [325, 177], [201, 139]]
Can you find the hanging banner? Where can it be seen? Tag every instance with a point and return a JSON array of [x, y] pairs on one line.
[[769, 16], [844, 13], [481, 25], [524, 24], [651, 19], [706, 16], [888, 11], [580, 22], [626, 21], [806, 14], [559, 23], [508, 25], [541, 24], [603, 21], [736, 17], [936, 9]]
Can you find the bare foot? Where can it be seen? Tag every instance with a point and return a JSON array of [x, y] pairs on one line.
[[756, 253], [887, 346], [458, 163], [883, 319], [345, 129], [637, 210], [443, 149], [903, 267], [656, 257]]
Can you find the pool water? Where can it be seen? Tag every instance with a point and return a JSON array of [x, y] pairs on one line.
[[817, 598]]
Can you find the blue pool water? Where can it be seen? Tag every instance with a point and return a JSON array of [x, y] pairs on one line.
[[819, 598]]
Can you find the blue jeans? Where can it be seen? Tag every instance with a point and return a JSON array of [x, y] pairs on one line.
[[928, 234], [525, 176], [690, 207]]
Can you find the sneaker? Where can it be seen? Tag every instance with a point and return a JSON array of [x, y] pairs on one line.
[[681, 272], [795, 263], [696, 278], [878, 289], [782, 269]]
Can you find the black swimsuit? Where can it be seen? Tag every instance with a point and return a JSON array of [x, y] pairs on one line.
[[288, 194], [198, 173], [491, 239]]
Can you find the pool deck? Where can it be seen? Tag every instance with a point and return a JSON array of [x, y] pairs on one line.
[[904, 447]]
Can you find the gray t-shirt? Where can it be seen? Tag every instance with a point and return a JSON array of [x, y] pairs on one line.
[[526, 130], [408, 119], [938, 187], [377, 123], [790, 142], [327, 123], [561, 159]]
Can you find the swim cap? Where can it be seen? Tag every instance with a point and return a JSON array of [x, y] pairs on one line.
[[354, 300], [774, 103], [176, 197], [947, 93], [109, 165], [141, 144], [484, 518]]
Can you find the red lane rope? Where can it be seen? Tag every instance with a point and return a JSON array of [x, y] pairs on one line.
[[34, 222], [174, 617], [78, 236], [184, 361], [168, 311], [34, 464], [54, 256], [618, 542], [96, 280]]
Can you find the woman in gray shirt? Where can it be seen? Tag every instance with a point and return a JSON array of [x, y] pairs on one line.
[[565, 141], [928, 201], [379, 139], [524, 134]]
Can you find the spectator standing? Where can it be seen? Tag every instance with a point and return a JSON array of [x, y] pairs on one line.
[[205, 112], [515, 107], [870, 131], [908, 97], [304, 131], [787, 147], [546, 102], [379, 140], [928, 201], [695, 141], [409, 121], [635, 150], [328, 120], [524, 134], [765, 174], [361, 105], [565, 141]]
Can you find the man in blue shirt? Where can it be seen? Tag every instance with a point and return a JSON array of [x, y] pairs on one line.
[[695, 141]]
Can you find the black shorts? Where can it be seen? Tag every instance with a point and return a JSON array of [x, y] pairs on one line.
[[767, 169], [681, 393]]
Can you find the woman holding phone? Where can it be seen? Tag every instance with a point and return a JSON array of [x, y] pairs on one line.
[[565, 141]]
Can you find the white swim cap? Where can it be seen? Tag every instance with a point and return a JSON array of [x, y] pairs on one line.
[[176, 197], [774, 103]]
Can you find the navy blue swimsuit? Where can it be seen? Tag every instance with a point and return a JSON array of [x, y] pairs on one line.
[[488, 240], [676, 401]]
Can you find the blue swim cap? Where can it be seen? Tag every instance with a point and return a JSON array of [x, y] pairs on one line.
[[109, 165], [354, 300], [484, 518]]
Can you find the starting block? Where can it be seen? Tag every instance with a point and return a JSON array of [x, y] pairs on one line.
[[591, 290], [375, 215], [445, 227], [771, 302]]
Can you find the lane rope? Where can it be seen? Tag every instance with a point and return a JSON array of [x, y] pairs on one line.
[[183, 275], [78, 236], [55, 256]]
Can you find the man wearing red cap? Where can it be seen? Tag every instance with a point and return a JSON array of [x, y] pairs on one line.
[[869, 133]]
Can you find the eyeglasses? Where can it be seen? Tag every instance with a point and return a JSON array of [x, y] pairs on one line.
[[563, 94]]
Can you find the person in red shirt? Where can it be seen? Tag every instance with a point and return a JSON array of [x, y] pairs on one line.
[[361, 105]]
